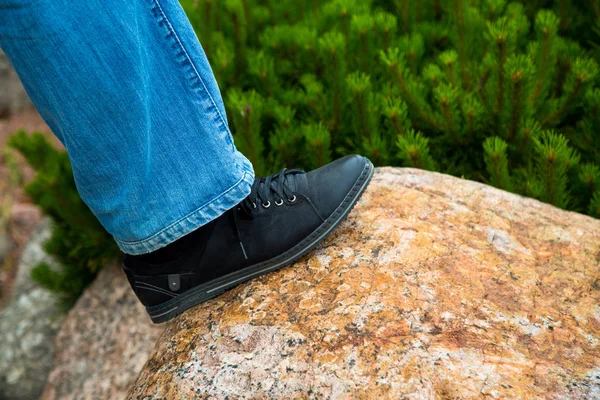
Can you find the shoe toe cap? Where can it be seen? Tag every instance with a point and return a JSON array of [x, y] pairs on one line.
[[329, 185]]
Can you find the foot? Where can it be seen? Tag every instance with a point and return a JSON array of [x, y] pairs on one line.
[[284, 217]]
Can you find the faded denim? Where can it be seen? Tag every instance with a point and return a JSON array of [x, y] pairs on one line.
[[127, 88]]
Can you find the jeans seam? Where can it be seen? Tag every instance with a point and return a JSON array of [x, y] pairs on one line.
[[208, 203], [196, 73]]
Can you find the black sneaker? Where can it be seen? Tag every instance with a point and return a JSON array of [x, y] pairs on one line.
[[284, 217]]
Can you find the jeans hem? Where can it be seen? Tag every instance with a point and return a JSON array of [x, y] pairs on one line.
[[200, 216]]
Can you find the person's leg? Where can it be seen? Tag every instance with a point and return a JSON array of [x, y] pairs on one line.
[[126, 87]]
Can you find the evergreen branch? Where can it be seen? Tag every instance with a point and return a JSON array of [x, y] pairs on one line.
[[262, 66], [496, 161], [247, 111], [236, 11], [555, 157], [433, 74], [584, 71], [364, 107], [285, 147], [396, 65], [501, 40], [530, 129], [473, 114], [485, 76], [447, 98], [589, 175], [594, 207], [397, 112], [519, 69], [319, 141], [332, 47], [387, 24], [412, 48], [448, 59], [376, 149], [459, 17], [363, 25], [546, 25], [414, 151]]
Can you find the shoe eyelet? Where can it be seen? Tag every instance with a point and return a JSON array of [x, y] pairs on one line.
[[279, 203], [293, 199], [266, 205]]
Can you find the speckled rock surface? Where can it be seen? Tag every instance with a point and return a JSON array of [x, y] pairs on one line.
[[103, 343], [28, 326], [434, 287]]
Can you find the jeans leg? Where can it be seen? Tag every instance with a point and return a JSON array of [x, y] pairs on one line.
[[127, 88]]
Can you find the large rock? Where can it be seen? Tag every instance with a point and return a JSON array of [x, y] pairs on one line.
[[28, 325], [435, 287], [97, 352], [103, 343], [23, 220], [12, 94]]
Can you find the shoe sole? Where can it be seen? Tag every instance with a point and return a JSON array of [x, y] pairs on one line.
[[212, 289]]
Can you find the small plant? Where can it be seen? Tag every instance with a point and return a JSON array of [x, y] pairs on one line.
[[78, 241]]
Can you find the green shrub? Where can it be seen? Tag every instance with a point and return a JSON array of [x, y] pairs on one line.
[[78, 241], [503, 93]]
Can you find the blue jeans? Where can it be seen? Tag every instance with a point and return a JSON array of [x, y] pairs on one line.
[[127, 88]]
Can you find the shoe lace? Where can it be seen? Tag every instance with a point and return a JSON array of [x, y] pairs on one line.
[[264, 192], [272, 189]]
